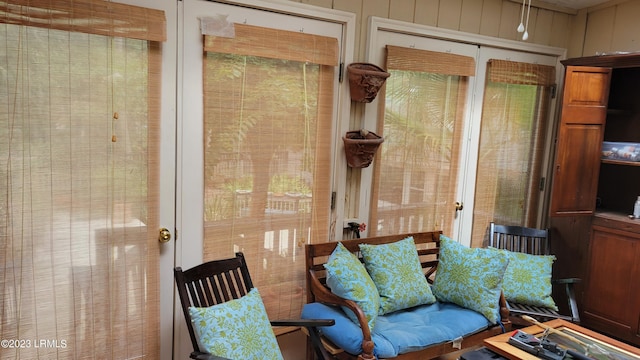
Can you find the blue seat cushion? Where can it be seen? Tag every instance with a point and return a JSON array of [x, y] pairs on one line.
[[401, 331]]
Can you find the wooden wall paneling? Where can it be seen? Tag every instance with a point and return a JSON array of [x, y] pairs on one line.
[[533, 19], [626, 27], [449, 14], [599, 31], [469, 19], [321, 3], [510, 18], [402, 10], [379, 8], [542, 31], [426, 12], [575, 45], [490, 18], [498, 18], [560, 29], [354, 6]]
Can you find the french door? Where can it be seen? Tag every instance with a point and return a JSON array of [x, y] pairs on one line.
[[511, 145], [79, 131], [256, 139], [434, 114], [426, 108]]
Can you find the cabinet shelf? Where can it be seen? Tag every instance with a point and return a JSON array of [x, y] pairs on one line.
[[621, 220], [621, 162], [619, 112]]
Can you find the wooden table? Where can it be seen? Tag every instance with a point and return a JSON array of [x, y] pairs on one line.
[[620, 350]]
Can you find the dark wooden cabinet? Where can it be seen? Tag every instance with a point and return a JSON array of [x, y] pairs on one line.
[[584, 110], [613, 304], [592, 236]]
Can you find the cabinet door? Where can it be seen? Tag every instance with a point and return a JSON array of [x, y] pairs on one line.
[[612, 301], [584, 107]]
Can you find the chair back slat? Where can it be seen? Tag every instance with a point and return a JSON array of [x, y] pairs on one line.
[[213, 296], [212, 283], [226, 287], [520, 239], [197, 294]]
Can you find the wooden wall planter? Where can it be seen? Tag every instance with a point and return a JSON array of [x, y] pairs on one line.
[[360, 146], [365, 80]]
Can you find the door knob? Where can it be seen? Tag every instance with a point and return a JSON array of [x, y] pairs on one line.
[[164, 236], [459, 206]]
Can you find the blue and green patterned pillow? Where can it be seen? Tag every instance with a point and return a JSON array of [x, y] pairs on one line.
[[528, 279], [236, 329], [470, 277], [396, 271], [347, 278]]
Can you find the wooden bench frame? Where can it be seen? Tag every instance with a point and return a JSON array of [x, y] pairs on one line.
[[428, 247]]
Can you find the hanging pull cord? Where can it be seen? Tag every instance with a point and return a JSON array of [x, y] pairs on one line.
[[521, 26], [525, 36]]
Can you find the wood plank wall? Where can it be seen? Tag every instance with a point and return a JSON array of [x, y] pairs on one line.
[[612, 28], [609, 27]]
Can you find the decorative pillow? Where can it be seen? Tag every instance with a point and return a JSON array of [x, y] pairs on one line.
[[347, 278], [236, 329], [528, 279], [470, 277], [396, 271]]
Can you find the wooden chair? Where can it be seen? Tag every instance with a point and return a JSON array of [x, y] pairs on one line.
[[535, 242], [218, 281]]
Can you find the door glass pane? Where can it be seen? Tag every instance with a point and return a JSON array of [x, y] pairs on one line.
[[267, 146], [78, 217], [417, 171], [512, 134]]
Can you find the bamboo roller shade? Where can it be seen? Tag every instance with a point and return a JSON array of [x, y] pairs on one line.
[[408, 59], [276, 44], [512, 72], [87, 16]]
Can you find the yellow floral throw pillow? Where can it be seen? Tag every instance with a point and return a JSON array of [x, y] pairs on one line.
[[236, 329], [396, 271], [347, 278], [528, 279], [470, 277]]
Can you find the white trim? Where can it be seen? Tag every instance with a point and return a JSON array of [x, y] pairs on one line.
[[289, 7], [167, 177]]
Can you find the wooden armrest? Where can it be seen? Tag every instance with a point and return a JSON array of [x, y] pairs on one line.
[[304, 322], [504, 312], [323, 295]]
